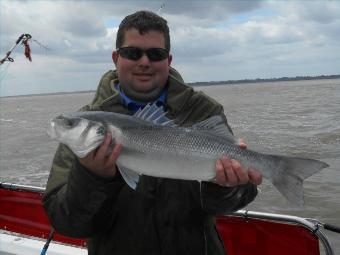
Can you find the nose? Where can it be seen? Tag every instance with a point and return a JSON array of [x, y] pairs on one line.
[[144, 60]]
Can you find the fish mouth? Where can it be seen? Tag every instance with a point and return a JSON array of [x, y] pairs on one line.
[[56, 126]]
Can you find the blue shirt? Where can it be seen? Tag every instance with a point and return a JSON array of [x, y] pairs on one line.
[[133, 106]]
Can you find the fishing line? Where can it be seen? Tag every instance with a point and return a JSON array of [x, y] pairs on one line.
[[4, 71], [160, 8], [40, 44]]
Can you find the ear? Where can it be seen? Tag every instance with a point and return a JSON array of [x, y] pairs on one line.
[[169, 59], [115, 57]]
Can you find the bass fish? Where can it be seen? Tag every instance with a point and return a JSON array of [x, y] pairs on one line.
[[154, 145]]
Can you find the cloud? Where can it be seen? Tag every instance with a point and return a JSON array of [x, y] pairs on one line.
[[205, 13], [211, 40], [323, 12]]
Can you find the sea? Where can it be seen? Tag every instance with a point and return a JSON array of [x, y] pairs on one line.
[[295, 118]]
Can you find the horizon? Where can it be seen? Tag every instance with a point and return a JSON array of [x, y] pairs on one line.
[[201, 83], [222, 41]]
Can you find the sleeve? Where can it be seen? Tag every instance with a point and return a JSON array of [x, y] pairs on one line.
[[77, 202], [220, 200]]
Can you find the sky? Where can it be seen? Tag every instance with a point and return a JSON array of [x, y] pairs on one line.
[[210, 40]]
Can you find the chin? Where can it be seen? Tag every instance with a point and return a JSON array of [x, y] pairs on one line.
[[144, 87]]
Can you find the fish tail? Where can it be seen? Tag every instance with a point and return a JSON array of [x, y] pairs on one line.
[[291, 173]]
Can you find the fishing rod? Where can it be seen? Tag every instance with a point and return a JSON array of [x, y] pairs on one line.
[[327, 226], [24, 39]]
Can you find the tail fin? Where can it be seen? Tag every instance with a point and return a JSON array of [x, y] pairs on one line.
[[291, 174]]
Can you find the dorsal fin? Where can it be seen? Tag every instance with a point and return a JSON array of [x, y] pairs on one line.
[[216, 126], [154, 114]]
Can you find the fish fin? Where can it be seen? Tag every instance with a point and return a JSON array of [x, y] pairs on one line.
[[217, 126], [137, 113], [154, 114], [130, 177], [290, 175]]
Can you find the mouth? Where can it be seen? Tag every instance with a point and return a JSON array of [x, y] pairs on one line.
[[143, 76]]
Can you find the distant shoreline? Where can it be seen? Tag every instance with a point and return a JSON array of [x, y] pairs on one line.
[[258, 80], [52, 93], [204, 83]]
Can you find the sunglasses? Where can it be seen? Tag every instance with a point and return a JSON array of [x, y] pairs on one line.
[[134, 53]]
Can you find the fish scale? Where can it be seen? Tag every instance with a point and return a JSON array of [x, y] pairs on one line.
[[153, 145], [170, 141]]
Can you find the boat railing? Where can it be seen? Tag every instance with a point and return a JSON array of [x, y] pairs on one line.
[[313, 225], [312, 228], [14, 186]]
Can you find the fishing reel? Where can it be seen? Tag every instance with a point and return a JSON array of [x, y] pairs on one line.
[[22, 38]]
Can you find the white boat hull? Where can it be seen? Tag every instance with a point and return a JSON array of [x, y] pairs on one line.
[[16, 245]]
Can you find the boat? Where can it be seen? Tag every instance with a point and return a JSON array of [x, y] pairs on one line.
[[25, 230]]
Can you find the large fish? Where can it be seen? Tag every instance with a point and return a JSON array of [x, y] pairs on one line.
[[154, 145]]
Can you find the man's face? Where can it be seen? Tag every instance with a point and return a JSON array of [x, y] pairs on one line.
[[142, 79]]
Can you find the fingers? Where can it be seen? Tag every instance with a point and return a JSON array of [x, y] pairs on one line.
[[114, 154], [255, 177], [242, 143], [230, 173], [226, 172], [232, 177], [104, 154], [220, 174], [102, 150], [240, 172], [102, 162]]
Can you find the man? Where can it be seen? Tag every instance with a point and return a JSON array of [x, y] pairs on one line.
[[88, 198]]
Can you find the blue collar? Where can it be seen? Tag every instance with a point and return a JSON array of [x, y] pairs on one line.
[[133, 106]]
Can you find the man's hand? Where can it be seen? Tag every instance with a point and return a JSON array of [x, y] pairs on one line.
[[102, 162], [230, 173]]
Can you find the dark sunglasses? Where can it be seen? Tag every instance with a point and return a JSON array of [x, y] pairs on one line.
[[134, 53]]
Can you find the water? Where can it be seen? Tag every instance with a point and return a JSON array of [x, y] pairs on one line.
[[300, 118]]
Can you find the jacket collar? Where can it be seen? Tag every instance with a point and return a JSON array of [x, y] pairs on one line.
[[177, 95], [133, 106]]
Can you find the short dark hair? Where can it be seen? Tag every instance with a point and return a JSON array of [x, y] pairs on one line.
[[143, 21]]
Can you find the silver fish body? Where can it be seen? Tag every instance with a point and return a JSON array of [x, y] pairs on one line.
[[153, 145]]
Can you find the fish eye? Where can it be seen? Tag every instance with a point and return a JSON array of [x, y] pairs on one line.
[[71, 122]]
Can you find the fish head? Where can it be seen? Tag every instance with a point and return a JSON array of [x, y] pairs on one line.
[[81, 135]]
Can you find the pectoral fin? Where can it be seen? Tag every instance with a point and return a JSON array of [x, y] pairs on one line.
[[130, 177]]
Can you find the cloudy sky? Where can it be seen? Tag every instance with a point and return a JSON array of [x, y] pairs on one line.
[[211, 40]]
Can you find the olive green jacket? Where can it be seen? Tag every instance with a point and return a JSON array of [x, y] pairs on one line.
[[162, 216]]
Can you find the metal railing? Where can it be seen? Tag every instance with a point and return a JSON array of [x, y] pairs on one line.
[[313, 225]]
